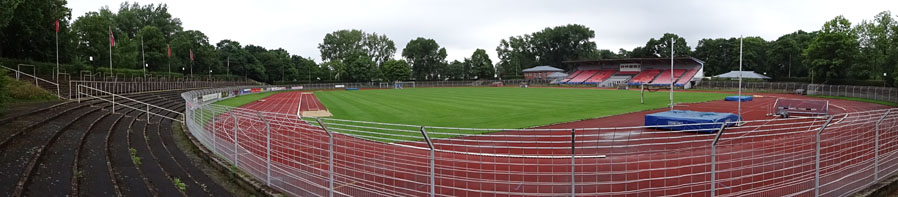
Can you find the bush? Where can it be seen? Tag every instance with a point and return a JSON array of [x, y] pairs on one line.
[[18, 91], [3, 92]]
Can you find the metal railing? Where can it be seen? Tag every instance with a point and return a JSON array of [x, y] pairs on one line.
[[888, 94], [19, 74], [85, 93], [828, 156]]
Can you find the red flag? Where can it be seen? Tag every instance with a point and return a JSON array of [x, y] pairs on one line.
[[57, 25], [169, 50], [111, 38], [191, 55]]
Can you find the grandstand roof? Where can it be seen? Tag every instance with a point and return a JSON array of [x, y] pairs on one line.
[[745, 75], [636, 60], [543, 69]]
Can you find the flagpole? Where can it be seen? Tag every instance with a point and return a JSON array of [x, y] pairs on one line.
[[229, 65], [671, 72], [169, 59], [143, 56], [57, 52], [110, 51], [739, 108]]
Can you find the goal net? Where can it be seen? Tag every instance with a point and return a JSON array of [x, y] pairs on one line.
[[397, 85]]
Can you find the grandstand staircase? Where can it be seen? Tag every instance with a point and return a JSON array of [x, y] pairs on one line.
[[80, 148]]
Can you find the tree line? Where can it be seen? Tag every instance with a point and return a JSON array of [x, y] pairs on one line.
[[837, 53]]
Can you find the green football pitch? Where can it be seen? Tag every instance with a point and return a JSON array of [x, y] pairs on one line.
[[492, 107]]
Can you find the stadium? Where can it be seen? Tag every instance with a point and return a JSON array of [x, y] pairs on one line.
[[823, 149], [129, 101]]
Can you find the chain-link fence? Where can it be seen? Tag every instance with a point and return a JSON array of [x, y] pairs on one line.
[[868, 92], [828, 156]]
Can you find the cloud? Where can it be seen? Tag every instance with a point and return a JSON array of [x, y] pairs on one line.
[[462, 26]]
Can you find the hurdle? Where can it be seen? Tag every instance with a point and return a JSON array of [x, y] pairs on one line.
[[785, 108]]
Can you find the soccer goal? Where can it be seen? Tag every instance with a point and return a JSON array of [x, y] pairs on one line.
[[397, 85], [650, 88]]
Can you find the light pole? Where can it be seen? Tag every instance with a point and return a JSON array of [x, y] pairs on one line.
[[884, 75]]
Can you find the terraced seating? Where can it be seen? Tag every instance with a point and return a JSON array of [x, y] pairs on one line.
[[686, 77], [582, 77], [572, 76], [644, 77], [600, 77], [82, 149], [665, 79]]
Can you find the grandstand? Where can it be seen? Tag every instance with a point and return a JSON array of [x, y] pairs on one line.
[[688, 72]]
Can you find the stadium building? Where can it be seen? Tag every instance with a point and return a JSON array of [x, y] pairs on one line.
[[687, 72]]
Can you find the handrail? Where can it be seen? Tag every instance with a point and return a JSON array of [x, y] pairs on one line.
[[32, 76], [58, 94], [114, 95]]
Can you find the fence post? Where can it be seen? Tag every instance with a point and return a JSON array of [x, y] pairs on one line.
[[113, 102], [714, 159], [817, 157], [267, 149], [330, 148], [573, 163], [148, 114], [235, 138], [432, 157], [876, 152], [214, 137]]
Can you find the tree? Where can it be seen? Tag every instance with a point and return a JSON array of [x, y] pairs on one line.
[[661, 47], [426, 58], [27, 29], [240, 59], [456, 69], [132, 17], [833, 51], [92, 32], [481, 65], [551, 46], [785, 52], [396, 70], [342, 44], [515, 54], [307, 68], [878, 40], [359, 68], [154, 48], [205, 56]]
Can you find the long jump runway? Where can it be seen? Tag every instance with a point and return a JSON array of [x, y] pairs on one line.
[[773, 157]]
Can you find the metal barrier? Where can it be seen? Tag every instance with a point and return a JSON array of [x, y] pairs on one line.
[[827, 156], [36, 79], [868, 92], [86, 92]]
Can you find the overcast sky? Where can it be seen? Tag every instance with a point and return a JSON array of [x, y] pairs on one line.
[[461, 26]]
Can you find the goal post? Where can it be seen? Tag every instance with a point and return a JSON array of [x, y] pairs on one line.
[[649, 88], [398, 85]]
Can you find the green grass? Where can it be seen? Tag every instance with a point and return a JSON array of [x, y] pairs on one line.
[[244, 99], [891, 104], [509, 107]]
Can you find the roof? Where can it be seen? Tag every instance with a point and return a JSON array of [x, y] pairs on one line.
[[745, 75], [638, 60], [557, 75], [543, 69]]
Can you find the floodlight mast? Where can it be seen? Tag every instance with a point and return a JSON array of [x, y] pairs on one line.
[[671, 72], [739, 105]]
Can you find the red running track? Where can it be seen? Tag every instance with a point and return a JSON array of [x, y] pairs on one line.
[[761, 158]]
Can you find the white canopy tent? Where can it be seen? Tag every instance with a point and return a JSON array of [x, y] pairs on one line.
[[745, 75]]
